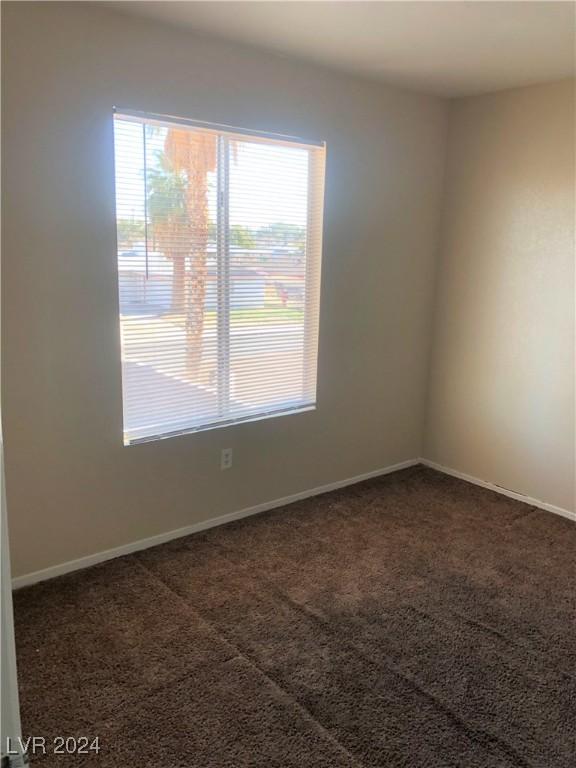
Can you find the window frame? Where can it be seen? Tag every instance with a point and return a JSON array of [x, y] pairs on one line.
[[315, 190]]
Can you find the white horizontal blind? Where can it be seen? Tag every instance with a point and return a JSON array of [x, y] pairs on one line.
[[219, 249]]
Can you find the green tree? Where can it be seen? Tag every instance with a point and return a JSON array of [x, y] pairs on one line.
[[179, 219], [242, 237], [281, 233], [168, 221], [129, 232]]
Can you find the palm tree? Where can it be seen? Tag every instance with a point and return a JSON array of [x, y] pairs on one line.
[[193, 154], [168, 221], [179, 218]]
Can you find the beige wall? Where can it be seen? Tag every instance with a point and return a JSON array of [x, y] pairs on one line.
[[501, 399], [73, 489]]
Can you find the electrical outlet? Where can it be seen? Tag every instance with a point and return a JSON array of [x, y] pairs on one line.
[[226, 458]]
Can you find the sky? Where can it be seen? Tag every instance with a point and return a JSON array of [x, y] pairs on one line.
[[268, 183]]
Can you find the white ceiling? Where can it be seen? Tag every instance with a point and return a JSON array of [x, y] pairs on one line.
[[448, 48]]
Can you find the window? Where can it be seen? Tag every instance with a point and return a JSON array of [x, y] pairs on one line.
[[219, 248]]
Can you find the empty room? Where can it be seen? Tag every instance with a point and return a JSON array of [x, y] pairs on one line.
[[288, 384]]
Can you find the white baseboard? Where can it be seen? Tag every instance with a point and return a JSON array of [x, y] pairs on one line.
[[501, 490], [161, 538], [152, 541]]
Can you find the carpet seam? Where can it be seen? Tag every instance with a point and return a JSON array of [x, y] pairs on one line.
[[274, 683], [470, 730], [540, 655], [487, 628], [462, 724]]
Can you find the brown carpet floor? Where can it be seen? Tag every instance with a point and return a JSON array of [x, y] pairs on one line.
[[414, 620]]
